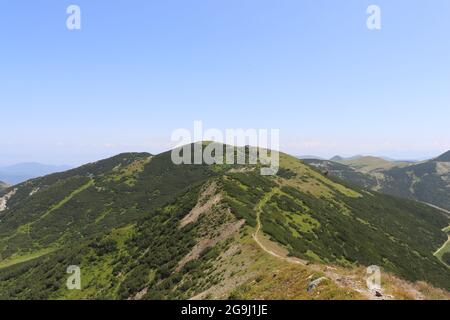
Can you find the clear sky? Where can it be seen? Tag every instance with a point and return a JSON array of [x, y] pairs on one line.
[[139, 69]]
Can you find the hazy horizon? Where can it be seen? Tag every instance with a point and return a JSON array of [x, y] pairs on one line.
[[107, 155], [138, 70]]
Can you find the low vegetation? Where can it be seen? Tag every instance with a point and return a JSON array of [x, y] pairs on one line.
[[122, 220]]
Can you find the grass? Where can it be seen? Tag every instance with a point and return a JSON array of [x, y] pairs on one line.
[[25, 257], [445, 248], [368, 164], [275, 279], [309, 180], [313, 256], [251, 273], [67, 199], [326, 218], [103, 215], [97, 271], [129, 172]]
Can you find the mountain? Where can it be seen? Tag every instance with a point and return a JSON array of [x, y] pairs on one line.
[[3, 185], [343, 172], [141, 227], [309, 157], [24, 171], [443, 157], [337, 158], [368, 164], [427, 181]]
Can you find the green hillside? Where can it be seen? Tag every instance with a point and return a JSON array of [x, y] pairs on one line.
[[3, 185], [141, 227], [343, 172], [428, 181], [445, 157], [369, 164]]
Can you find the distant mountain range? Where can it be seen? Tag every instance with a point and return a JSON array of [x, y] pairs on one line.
[[141, 227], [3, 185], [338, 158], [310, 157], [21, 172], [426, 181], [369, 164]]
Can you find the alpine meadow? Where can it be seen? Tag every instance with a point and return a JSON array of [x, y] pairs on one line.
[[224, 159], [141, 227]]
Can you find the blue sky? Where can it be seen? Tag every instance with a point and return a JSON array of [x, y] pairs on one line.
[[139, 69]]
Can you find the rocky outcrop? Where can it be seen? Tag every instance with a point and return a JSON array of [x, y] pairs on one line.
[[5, 198]]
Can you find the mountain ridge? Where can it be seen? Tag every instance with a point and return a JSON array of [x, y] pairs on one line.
[[426, 181], [162, 228], [445, 157]]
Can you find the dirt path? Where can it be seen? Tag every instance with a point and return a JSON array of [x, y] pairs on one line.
[[443, 246], [255, 235], [446, 212], [338, 279]]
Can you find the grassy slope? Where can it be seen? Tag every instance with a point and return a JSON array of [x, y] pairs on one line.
[[426, 181], [318, 219], [421, 182], [343, 172], [90, 200], [368, 164], [445, 249]]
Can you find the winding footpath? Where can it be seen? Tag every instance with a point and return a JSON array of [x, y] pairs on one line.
[[258, 209], [335, 277], [444, 247]]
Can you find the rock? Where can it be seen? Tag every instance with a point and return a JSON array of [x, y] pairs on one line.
[[378, 294], [313, 284], [5, 198]]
